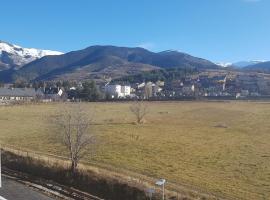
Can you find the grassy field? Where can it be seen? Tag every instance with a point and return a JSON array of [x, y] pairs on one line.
[[220, 147]]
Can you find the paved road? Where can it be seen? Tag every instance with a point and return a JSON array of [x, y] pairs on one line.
[[12, 190]]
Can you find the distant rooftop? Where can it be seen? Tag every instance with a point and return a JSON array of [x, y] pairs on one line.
[[19, 92]]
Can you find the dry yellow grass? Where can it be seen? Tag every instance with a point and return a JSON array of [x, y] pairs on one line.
[[219, 147]]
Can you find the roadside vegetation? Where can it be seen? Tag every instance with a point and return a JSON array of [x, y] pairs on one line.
[[216, 147], [82, 179]]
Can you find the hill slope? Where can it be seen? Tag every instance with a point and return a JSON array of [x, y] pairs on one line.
[[260, 67], [243, 64], [105, 61]]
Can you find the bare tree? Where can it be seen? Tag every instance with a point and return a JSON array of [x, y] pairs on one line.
[[139, 109], [74, 124]]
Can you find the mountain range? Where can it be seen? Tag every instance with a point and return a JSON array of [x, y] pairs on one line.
[[240, 64], [263, 67], [100, 62]]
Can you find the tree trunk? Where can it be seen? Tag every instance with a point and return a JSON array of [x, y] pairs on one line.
[[73, 166]]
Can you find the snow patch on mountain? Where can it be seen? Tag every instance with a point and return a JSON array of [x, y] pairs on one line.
[[242, 64], [224, 64], [14, 56]]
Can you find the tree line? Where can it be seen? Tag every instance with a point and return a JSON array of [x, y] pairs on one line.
[[168, 74]]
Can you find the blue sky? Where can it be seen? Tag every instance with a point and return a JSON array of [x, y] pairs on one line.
[[219, 30]]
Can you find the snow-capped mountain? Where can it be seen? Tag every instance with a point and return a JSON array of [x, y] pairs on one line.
[[14, 56], [224, 64], [240, 64]]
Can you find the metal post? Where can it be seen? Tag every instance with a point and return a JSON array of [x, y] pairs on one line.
[[151, 191], [0, 169], [163, 192], [162, 182]]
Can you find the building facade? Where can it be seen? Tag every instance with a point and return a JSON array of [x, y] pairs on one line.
[[117, 91], [18, 94]]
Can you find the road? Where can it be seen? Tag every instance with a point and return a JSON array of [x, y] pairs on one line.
[[12, 190]]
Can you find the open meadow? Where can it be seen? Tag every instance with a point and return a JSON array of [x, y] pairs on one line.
[[219, 147]]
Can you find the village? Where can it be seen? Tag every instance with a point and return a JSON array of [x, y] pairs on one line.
[[199, 86], [203, 85]]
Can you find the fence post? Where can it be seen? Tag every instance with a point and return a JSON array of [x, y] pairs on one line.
[[0, 167]]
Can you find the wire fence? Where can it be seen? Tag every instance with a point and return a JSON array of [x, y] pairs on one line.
[[130, 177]]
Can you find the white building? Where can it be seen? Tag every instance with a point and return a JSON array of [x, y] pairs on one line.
[[117, 91], [125, 90]]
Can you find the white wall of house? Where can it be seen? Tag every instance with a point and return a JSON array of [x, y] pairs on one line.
[[113, 90], [125, 90], [60, 92], [117, 90]]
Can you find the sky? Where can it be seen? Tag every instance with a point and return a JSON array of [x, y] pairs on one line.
[[218, 30]]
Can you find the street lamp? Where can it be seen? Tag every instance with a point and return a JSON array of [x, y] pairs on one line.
[[162, 182]]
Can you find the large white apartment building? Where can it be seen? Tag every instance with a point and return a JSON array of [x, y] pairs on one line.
[[117, 91]]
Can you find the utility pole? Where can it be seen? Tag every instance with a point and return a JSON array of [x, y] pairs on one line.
[[163, 192]]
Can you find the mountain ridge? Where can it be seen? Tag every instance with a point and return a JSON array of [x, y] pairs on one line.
[[240, 64], [14, 56], [97, 62], [260, 67]]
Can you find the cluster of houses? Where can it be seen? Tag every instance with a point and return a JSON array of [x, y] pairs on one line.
[[9, 94], [144, 90], [202, 85]]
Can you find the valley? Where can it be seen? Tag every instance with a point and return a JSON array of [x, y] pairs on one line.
[[217, 147]]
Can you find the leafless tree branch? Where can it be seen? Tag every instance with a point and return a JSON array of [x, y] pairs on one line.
[[75, 127], [140, 110]]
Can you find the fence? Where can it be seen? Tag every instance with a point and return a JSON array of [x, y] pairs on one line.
[[131, 178]]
